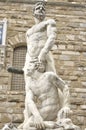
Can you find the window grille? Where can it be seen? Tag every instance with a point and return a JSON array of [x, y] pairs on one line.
[[19, 54]]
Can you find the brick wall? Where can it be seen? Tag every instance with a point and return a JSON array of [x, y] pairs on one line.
[[69, 55]]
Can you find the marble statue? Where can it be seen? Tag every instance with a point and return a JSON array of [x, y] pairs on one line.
[[9, 126], [47, 95]]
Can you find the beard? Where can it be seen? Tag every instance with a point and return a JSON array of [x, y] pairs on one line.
[[39, 16]]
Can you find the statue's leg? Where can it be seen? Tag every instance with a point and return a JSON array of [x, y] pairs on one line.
[[27, 125], [52, 78], [27, 115]]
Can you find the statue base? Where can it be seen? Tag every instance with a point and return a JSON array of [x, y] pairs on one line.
[[62, 124]]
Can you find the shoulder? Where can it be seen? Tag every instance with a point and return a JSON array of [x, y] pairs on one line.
[[29, 31], [51, 22]]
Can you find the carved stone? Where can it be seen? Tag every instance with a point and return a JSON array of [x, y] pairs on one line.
[[47, 95]]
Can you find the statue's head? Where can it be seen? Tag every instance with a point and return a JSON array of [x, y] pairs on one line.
[[39, 10]]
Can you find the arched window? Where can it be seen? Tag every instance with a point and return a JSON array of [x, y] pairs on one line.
[[18, 82]]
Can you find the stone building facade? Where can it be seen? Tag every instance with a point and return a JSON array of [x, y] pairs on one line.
[[69, 54]]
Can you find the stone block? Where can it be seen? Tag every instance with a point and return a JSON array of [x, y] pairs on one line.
[[17, 110], [82, 95], [17, 98], [61, 47], [83, 107], [56, 57], [70, 47], [78, 101], [2, 109], [68, 63], [70, 37], [74, 94], [5, 118], [3, 98], [3, 88], [17, 118], [9, 104], [80, 90], [83, 25], [80, 113], [78, 73], [82, 33], [81, 120], [73, 78], [9, 110], [73, 107], [78, 48], [1, 126], [64, 57], [70, 53], [81, 38], [75, 84], [83, 84]]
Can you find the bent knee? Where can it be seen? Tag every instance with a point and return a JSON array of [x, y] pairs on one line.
[[49, 75]]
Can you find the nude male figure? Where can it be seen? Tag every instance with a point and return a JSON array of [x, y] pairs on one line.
[[42, 85]]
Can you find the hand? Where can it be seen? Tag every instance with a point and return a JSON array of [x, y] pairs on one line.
[[42, 56], [41, 68], [64, 112], [38, 122]]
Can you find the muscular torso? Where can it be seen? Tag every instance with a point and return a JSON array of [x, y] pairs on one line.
[[36, 38], [46, 95], [47, 99]]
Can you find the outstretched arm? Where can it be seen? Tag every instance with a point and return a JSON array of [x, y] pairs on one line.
[[65, 105], [51, 34], [65, 92]]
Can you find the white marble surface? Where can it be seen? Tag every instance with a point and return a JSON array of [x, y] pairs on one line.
[[47, 95]]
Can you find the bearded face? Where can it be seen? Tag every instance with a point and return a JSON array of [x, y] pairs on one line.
[[39, 11]]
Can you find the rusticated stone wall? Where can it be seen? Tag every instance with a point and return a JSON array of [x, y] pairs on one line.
[[69, 54]]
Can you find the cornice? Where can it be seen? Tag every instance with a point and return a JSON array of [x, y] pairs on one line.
[[67, 4]]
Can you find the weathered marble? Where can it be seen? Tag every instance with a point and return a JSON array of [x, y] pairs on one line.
[[47, 95]]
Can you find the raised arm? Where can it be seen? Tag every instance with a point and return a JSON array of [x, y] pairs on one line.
[[51, 34], [64, 90]]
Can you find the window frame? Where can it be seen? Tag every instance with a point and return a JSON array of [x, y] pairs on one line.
[[22, 88], [4, 31]]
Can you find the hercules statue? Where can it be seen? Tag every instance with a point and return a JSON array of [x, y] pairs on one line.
[[47, 95]]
